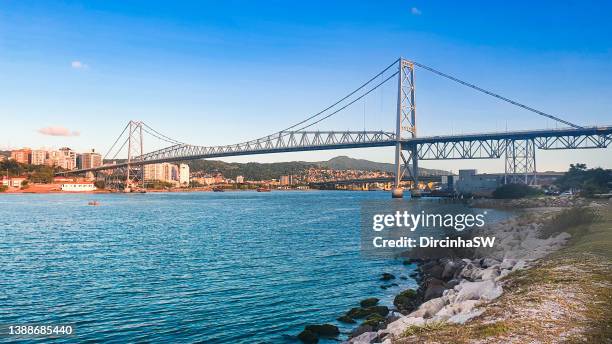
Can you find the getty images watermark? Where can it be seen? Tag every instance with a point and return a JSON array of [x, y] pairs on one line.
[[412, 222], [425, 229]]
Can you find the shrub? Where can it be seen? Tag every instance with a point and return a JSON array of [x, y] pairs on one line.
[[511, 191]]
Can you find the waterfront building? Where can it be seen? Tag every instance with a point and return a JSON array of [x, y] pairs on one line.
[[286, 180], [38, 157], [163, 172], [90, 160], [78, 186], [69, 158], [477, 184], [13, 182], [239, 179], [184, 174], [55, 158], [21, 155]]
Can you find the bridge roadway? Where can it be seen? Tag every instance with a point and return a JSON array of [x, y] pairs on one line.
[[464, 146]]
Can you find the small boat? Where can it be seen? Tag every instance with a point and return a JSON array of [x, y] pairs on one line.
[[263, 189], [94, 203], [218, 189]]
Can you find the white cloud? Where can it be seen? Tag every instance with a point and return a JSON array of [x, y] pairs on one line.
[[79, 65], [58, 131], [415, 11]]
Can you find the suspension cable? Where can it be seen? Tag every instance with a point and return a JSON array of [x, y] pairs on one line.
[[344, 98], [541, 113], [168, 139], [350, 103], [117, 140]]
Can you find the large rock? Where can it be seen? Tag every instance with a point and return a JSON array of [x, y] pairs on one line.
[[398, 327], [325, 330], [308, 337], [364, 338], [387, 276], [433, 288], [450, 310], [358, 312], [429, 308], [369, 302], [346, 319], [485, 290], [406, 301]]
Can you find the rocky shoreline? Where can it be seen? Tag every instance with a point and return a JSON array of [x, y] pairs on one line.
[[455, 290]]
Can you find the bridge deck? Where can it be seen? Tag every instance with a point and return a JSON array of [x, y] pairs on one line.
[[464, 146]]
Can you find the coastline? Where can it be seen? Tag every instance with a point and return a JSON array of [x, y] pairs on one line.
[[452, 292]]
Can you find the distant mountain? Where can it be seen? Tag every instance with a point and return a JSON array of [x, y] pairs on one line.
[[262, 171], [346, 163]]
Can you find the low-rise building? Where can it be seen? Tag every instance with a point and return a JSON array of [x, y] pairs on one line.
[[477, 184], [13, 182], [78, 186], [239, 179], [21, 155]]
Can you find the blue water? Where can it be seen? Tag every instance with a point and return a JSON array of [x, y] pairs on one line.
[[233, 267]]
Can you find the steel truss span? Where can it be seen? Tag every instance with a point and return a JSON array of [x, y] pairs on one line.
[[469, 146]]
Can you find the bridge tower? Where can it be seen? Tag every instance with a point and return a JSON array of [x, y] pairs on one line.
[[405, 128], [129, 177], [520, 167], [134, 174]]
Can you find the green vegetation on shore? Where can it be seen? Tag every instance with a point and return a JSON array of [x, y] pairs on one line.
[[513, 191], [588, 181], [35, 173], [564, 297]]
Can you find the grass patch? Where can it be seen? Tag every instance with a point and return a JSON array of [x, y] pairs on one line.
[[419, 330], [491, 329], [572, 220]]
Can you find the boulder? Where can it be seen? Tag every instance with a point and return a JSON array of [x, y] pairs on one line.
[[308, 337], [387, 276], [374, 320], [359, 312], [325, 330], [429, 308], [365, 338], [433, 288], [406, 301], [484, 290], [346, 319], [369, 302], [360, 330]]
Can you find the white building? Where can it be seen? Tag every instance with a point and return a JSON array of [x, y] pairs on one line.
[[163, 172], [38, 157], [78, 186], [239, 179], [184, 174], [69, 158]]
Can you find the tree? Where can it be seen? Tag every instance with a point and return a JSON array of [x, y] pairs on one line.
[[511, 191], [588, 181]]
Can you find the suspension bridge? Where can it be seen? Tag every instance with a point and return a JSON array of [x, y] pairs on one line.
[[518, 148]]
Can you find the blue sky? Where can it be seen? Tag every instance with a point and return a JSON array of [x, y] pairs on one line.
[[222, 72]]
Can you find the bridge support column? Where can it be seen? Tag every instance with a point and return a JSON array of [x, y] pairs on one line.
[[405, 126], [520, 167], [134, 174]]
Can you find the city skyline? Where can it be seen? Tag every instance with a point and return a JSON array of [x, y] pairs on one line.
[[240, 72]]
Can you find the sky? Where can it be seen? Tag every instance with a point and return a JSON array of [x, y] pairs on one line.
[[220, 72]]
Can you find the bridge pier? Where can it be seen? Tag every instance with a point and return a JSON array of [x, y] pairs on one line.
[[406, 124]]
